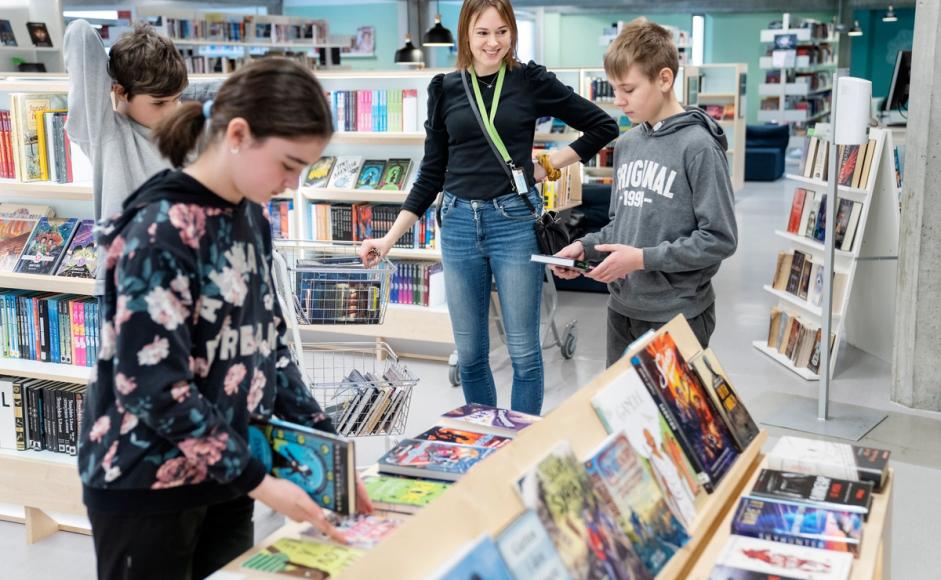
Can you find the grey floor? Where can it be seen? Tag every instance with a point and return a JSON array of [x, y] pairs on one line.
[[742, 317]]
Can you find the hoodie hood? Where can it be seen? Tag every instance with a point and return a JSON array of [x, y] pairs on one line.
[[692, 116]]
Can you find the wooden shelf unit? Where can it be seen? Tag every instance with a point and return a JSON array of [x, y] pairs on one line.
[[872, 260]]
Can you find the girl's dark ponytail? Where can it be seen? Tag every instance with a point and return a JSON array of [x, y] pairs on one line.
[[179, 132]]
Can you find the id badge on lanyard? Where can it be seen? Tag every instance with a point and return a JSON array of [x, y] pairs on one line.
[[519, 181]]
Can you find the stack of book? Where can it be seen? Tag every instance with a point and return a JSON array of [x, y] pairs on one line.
[[281, 215], [41, 415], [373, 405], [796, 273], [32, 241], [854, 162], [808, 218], [418, 284], [804, 516], [380, 111], [352, 172], [361, 221], [339, 290], [797, 339]]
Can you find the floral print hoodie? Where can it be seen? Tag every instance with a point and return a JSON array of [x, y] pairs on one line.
[[192, 349]]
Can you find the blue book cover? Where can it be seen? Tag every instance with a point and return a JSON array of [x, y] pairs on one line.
[[529, 552], [54, 328], [432, 459], [46, 246], [481, 562], [800, 524]]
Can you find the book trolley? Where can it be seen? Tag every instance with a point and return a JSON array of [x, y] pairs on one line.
[[485, 500]]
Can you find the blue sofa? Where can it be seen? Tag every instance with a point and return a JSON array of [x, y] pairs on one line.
[[765, 151], [592, 215]]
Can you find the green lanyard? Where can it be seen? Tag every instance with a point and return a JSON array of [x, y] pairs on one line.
[[488, 118]]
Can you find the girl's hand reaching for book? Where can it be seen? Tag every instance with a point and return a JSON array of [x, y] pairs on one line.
[[373, 250], [289, 499], [363, 503]]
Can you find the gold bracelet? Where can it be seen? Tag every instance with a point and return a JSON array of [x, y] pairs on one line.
[[552, 174]]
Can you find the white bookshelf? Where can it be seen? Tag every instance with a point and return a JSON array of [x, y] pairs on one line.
[[19, 12], [865, 317]]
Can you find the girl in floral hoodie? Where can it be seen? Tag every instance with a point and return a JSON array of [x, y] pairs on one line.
[[193, 337]]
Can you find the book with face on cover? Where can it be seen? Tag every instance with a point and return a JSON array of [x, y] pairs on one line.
[[488, 419], [431, 459], [528, 551], [765, 559], [345, 171], [81, 260], [46, 245], [39, 34]]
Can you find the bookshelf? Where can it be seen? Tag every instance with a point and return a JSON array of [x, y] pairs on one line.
[[19, 12], [864, 314]]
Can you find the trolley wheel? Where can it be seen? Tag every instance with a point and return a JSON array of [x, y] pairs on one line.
[[569, 341], [454, 370]]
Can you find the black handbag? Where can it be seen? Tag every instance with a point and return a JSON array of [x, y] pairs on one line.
[[551, 233]]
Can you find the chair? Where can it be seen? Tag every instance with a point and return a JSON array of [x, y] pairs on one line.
[[765, 151]]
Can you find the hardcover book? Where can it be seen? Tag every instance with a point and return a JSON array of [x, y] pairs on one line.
[[318, 174], [488, 419], [797, 209], [321, 464], [767, 559], [395, 175], [431, 460], [450, 435], [800, 524], [741, 425], [481, 561], [622, 480], [25, 130], [46, 245], [528, 551], [831, 459], [626, 406], [686, 406], [371, 174], [797, 266], [7, 38], [14, 233], [345, 171], [818, 490], [81, 260], [401, 494], [39, 34], [558, 490]]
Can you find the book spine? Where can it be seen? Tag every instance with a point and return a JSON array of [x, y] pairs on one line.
[[61, 420], [19, 419], [35, 425]]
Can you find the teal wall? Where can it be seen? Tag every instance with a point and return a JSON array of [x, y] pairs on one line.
[[873, 53], [346, 19]]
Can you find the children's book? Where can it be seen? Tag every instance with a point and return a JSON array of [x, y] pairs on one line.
[[318, 174], [362, 532], [272, 560], [626, 406], [326, 557], [797, 523], [402, 494], [322, 464], [395, 174], [585, 533], [488, 419], [14, 234], [621, 478], [450, 435], [25, 130], [528, 551], [777, 560], [345, 171], [81, 260], [371, 174], [46, 245], [479, 562], [684, 403], [431, 459], [7, 38]]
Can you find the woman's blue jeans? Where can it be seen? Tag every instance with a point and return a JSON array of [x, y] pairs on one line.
[[493, 240]]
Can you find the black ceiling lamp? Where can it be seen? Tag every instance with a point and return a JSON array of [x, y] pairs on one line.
[[438, 35], [409, 55]]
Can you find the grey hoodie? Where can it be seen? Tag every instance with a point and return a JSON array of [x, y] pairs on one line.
[[671, 197]]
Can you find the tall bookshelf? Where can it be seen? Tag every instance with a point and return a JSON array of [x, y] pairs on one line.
[[866, 312], [19, 12]]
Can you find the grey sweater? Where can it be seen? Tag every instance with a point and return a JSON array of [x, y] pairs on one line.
[[672, 197]]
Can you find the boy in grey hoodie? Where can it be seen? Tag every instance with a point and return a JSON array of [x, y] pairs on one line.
[[672, 206]]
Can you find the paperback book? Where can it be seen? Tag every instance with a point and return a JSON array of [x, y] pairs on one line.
[[764, 559], [46, 245], [818, 490], [480, 561], [831, 459], [14, 233], [371, 174], [528, 551], [800, 524], [321, 464], [488, 419], [725, 399], [363, 532], [270, 559], [81, 260], [318, 174], [451, 435], [326, 557], [395, 174], [431, 459], [7, 38], [402, 494], [345, 171]]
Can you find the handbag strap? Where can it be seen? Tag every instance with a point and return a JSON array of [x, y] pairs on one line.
[[480, 123]]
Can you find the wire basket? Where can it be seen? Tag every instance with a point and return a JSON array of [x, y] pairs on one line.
[[361, 385], [333, 287]]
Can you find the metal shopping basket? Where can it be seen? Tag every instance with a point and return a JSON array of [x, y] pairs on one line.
[[333, 287], [361, 385]]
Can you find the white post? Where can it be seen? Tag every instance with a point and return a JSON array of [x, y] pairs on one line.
[[823, 395]]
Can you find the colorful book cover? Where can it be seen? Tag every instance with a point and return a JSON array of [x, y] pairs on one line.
[[395, 174], [321, 464], [363, 532], [46, 246], [81, 259], [583, 530], [819, 490], [14, 234], [39, 34], [800, 524], [741, 425], [15, 211], [621, 478], [25, 131], [371, 174], [431, 460], [345, 171], [774, 559], [481, 561], [687, 407], [402, 494], [7, 38], [449, 435], [797, 208], [722, 572], [626, 406], [528, 551], [318, 174], [490, 419], [272, 560], [329, 558]]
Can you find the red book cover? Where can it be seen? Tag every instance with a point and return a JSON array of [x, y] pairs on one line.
[[797, 207], [37, 325], [848, 164], [3, 145]]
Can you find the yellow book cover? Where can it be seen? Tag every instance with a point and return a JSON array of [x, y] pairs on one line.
[[39, 120], [328, 558], [25, 130]]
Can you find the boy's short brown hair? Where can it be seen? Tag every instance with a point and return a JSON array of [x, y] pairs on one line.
[[642, 44], [145, 63]]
